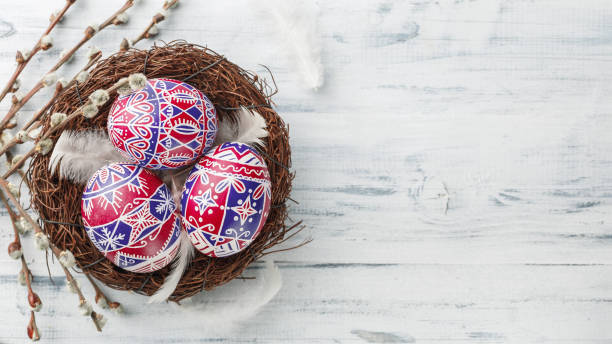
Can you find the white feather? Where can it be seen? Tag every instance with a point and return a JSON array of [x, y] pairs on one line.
[[80, 154], [249, 127], [179, 265], [297, 23], [223, 309]]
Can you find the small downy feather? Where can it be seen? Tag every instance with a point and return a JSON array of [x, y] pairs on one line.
[[80, 154], [247, 126], [179, 265], [240, 300], [297, 23]]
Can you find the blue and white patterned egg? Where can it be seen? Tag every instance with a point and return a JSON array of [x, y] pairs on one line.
[[130, 216], [226, 199], [168, 124]]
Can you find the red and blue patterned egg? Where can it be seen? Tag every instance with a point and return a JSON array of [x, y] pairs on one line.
[[226, 199], [130, 216], [168, 124]]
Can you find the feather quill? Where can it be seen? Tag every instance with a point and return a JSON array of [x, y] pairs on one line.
[[297, 22], [80, 154], [247, 127], [179, 265]]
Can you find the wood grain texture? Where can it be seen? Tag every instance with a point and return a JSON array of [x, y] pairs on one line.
[[455, 172]]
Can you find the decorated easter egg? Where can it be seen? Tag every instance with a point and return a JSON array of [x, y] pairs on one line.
[[226, 199], [167, 124], [130, 216]]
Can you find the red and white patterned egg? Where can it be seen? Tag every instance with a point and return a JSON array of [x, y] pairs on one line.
[[168, 124], [226, 199], [130, 216]]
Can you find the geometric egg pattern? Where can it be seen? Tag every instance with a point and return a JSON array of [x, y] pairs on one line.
[[226, 199], [168, 124], [130, 217]]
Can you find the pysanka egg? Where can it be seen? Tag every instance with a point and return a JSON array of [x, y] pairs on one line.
[[130, 216], [226, 199], [168, 124]]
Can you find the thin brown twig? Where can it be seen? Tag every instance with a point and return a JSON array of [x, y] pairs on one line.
[[37, 47], [305, 242], [33, 298], [106, 302], [16, 165], [90, 32], [56, 251], [157, 18], [34, 122]]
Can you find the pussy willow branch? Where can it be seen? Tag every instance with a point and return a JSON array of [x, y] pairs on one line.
[[24, 265], [34, 122], [71, 83], [74, 284], [56, 251], [17, 164], [100, 294], [90, 32], [37, 47], [157, 18]]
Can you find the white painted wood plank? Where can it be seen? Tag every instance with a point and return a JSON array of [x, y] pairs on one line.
[[497, 109]]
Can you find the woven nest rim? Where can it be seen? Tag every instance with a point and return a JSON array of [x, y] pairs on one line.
[[228, 86]]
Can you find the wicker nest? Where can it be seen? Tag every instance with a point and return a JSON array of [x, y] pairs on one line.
[[228, 86]]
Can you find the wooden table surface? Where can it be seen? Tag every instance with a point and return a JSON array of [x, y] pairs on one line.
[[454, 171]]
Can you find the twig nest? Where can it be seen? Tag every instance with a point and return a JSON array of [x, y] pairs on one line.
[[228, 87]]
